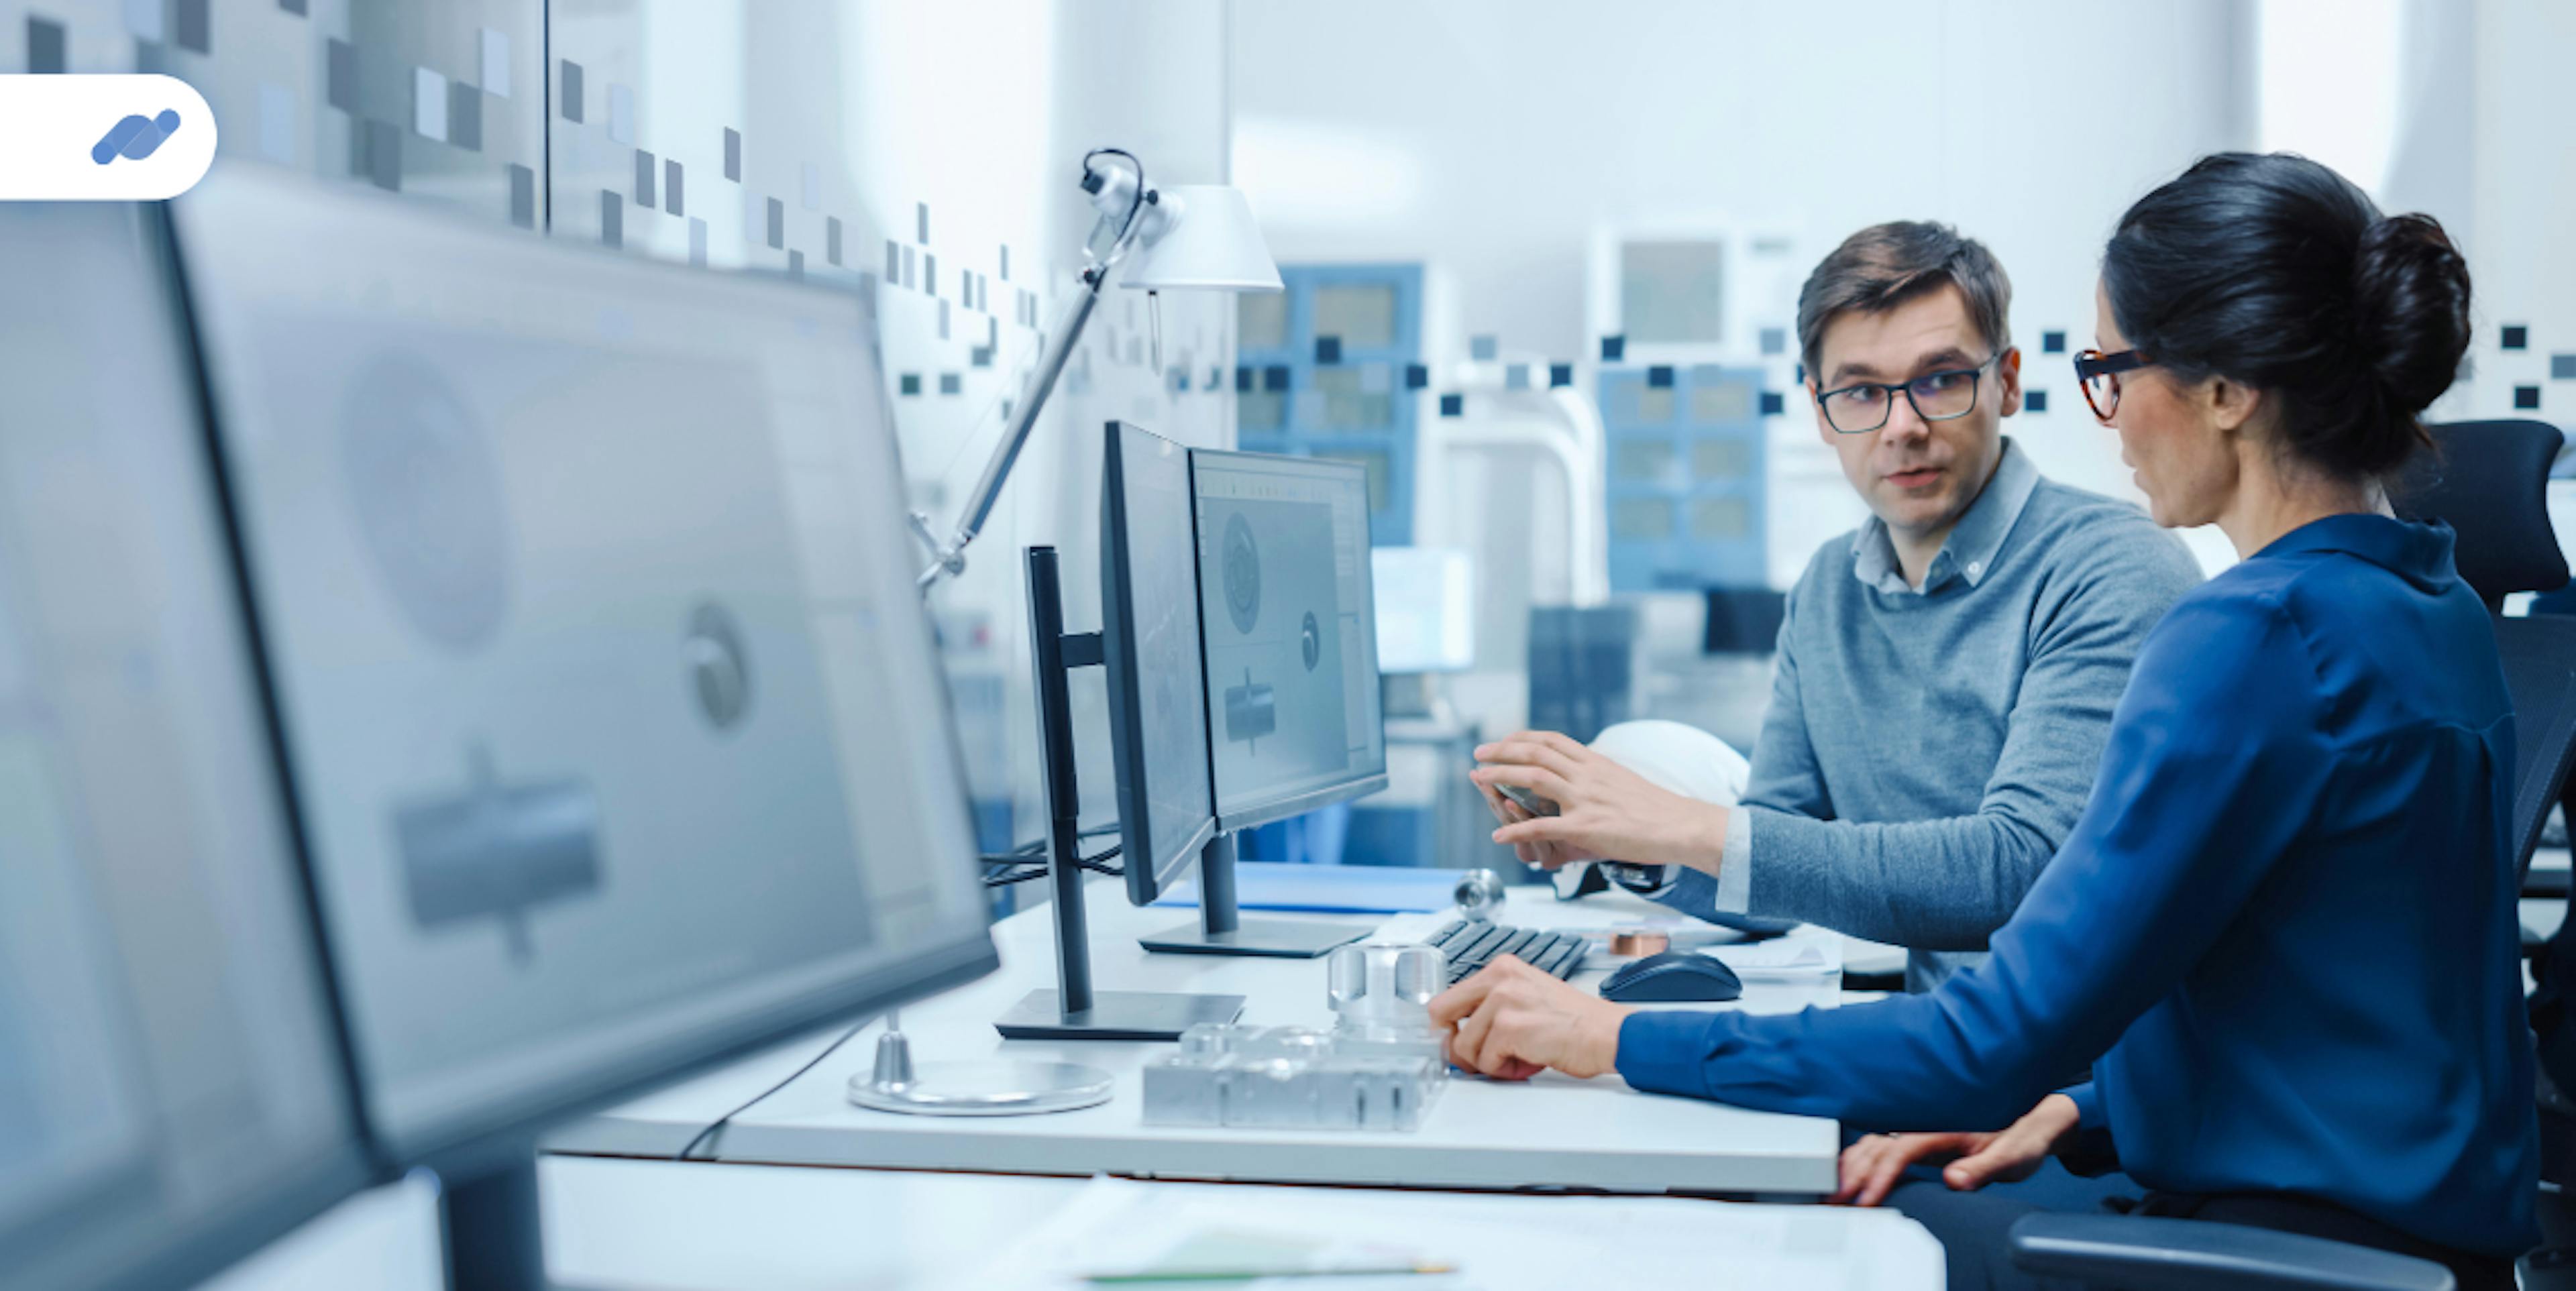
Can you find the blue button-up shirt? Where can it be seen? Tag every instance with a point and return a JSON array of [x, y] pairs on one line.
[[2283, 929]]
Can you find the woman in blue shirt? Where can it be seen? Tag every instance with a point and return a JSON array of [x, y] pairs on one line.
[[2283, 932]]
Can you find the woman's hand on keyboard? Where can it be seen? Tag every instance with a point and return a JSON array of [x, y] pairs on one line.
[[1511, 1021]]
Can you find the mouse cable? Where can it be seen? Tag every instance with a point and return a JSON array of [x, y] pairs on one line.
[[716, 1126]]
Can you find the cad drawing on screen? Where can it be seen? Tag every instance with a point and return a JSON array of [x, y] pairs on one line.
[[498, 850], [426, 488]]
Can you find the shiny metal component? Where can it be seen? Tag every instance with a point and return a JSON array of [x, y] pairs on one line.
[[974, 1088], [1479, 893], [1639, 943], [1293, 1078], [1527, 801], [1383, 991]]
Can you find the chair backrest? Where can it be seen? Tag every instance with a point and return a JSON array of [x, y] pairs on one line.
[[2489, 481], [2539, 656]]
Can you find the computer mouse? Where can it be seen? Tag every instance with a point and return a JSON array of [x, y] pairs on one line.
[[1675, 976]]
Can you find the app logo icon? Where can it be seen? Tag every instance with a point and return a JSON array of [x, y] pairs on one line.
[[102, 137], [135, 137]]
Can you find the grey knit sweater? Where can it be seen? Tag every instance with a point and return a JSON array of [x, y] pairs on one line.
[[1925, 752]]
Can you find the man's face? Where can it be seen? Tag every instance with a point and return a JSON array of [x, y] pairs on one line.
[[1918, 476]]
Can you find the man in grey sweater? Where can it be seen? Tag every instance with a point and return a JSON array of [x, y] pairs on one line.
[[1946, 673]]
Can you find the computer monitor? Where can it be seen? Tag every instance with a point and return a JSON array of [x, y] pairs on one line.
[[1149, 636], [1151, 649], [1288, 619], [613, 710], [173, 1087]]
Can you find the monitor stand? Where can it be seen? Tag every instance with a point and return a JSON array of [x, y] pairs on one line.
[[1221, 930], [1074, 1011], [492, 1232]]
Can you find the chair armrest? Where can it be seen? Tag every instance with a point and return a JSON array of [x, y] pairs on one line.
[[2155, 1254]]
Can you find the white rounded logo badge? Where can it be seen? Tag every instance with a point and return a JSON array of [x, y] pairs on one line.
[[106, 138]]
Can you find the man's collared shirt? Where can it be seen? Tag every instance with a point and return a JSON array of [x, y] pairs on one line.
[[1974, 543]]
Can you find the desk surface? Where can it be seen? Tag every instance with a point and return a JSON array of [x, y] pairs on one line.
[[1549, 1133], [664, 1225]]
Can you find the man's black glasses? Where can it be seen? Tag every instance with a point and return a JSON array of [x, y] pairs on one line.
[[1936, 396]]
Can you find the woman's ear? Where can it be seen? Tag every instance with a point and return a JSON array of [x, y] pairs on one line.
[[2230, 404]]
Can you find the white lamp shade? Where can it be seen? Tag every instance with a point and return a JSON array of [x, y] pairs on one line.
[[1208, 242]]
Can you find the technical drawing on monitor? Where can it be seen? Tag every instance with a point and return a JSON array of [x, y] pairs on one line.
[[424, 480], [495, 850], [595, 645], [1289, 626]]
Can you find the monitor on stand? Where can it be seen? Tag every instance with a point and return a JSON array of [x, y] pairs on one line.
[[1149, 648], [1288, 644], [1158, 710], [617, 732], [174, 1091]]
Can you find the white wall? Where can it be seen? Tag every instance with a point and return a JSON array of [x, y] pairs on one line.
[[1489, 138], [2521, 252]]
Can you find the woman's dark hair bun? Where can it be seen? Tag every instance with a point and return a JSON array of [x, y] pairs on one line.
[[2411, 306], [2276, 272]]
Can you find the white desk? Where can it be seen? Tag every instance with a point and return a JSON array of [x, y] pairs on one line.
[[665, 1225], [1549, 1133]]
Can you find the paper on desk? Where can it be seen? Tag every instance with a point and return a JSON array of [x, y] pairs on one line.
[[1804, 953], [1119, 1226], [1498, 1243]]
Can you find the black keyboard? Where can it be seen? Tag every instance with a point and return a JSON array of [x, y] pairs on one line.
[[1471, 944]]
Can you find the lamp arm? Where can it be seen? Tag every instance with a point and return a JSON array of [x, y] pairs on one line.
[[949, 557]]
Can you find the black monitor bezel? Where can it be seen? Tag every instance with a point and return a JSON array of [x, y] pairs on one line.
[[1297, 804], [506, 1139], [1147, 875]]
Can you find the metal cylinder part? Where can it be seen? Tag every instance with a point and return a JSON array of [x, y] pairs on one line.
[[1479, 894]]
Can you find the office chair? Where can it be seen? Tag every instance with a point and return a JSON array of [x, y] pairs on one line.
[[2487, 480]]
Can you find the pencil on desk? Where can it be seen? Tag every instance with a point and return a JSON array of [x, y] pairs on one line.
[[1254, 1275]]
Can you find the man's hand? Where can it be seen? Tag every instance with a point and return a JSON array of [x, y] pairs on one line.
[[1548, 856], [1604, 810], [1873, 1165], [1512, 1021]]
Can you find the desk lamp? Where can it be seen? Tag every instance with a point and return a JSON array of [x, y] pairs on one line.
[[1186, 238], [1196, 237]]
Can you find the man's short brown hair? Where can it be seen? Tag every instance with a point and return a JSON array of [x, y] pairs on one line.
[[1885, 265]]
